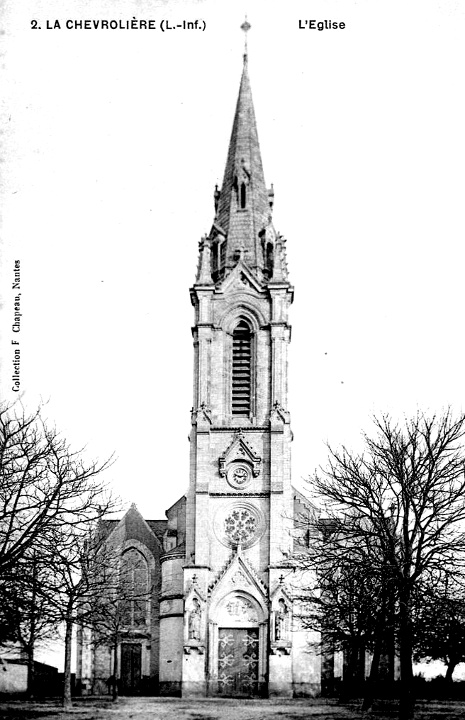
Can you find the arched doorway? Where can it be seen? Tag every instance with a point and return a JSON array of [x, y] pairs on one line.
[[237, 644]]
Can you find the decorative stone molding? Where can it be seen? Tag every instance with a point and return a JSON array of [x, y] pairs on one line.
[[202, 414], [192, 645], [281, 622], [240, 450], [240, 275], [245, 306], [238, 572], [239, 578], [245, 281], [277, 648], [194, 622], [238, 494], [239, 608], [279, 414]]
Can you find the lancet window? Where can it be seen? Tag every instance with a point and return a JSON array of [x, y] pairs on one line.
[[134, 594], [243, 196], [242, 370]]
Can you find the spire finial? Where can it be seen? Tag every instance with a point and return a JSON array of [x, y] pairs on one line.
[[245, 27]]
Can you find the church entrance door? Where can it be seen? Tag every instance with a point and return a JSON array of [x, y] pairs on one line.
[[238, 661], [130, 668]]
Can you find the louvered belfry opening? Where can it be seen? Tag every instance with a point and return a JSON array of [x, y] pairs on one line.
[[241, 370]]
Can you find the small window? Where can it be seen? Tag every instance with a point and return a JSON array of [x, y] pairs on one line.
[[243, 196], [223, 253], [269, 258], [215, 256], [241, 370]]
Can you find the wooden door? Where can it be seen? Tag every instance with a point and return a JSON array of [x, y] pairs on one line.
[[238, 661], [131, 655]]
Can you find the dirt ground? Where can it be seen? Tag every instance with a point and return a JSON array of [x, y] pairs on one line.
[[216, 709]]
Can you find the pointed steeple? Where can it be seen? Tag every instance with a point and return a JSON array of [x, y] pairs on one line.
[[243, 206]]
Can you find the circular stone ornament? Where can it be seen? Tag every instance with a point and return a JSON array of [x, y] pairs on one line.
[[239, 475], [239, 524]]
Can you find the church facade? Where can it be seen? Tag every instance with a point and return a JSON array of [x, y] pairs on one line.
[[226, 611], [223, 618]]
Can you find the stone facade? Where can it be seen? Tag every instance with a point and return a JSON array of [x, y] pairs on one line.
[[139, 544], [227, 596], [223, 621]]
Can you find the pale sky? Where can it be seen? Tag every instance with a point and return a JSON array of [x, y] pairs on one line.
[[114, 140]]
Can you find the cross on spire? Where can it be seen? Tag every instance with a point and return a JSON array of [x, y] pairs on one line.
[[245, 27]]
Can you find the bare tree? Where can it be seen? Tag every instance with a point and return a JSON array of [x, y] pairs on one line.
[[50, 503], [26, 609], [82, 572], [43, 484], [439, 625], [405, 496], [345, 594]]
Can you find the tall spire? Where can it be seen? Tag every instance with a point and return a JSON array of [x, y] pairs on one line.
[[242, 206]]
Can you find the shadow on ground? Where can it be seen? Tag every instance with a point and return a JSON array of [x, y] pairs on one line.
[[217, 709]]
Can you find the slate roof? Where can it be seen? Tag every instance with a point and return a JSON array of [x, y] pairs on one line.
[[244, 162]]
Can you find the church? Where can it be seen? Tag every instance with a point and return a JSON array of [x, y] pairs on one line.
[[221, 619]]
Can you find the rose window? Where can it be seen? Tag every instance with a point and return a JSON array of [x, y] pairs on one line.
[[239, 523], [240, 526]]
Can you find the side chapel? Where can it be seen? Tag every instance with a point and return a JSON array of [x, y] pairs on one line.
[[221, 618]]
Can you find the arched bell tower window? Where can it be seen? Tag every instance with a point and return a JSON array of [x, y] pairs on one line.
[[243, 196], [242, 370]]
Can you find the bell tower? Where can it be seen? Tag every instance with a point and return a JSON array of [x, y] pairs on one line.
[[241, 298], [239, 504], [236, 624]]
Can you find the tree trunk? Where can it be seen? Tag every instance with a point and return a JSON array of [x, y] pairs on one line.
[[381, 644], [451, 665], [370, 684], [348, 672], [32, 634], [353, 670], [406, 701], [30, 670], [115, 672], [67, 672]]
